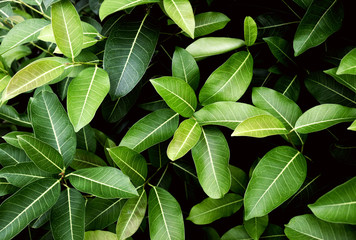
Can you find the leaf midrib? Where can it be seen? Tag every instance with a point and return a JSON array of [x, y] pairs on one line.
[[163, 216], [216, 208]]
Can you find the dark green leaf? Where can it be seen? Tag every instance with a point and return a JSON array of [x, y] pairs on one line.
[[85, 159], [348, 63], [10, 155], [208, 22], [86, 139], [256, 226], [347, 80]]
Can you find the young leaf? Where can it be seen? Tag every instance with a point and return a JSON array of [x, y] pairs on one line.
[[208, 22], [104, 182], [85, 159], [164, 215], [10, 114], [260, 126], [181, 12], [338, 205], [250, 31], [43, 155], [154, 128], [177, 94], [210, 209], [230, 81], [323, 18], [281, 50], [67, 215], [239, 180], [10, 155], [348, 63], [131, 216], [277, 176], [85, 94], [347, 80], [67, 28], [211, 157], [256, 226], [323, 116], [185, 137], [352, 126], [29, 202]]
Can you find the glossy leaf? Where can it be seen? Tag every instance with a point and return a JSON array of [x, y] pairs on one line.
[[281, 50], [277, 176], [352, 126], [230, 81], [250, 31], [209, 22], [256, 226], [10, 114], [10, 155], [239, 180], [347, 80], [211, 157], [85, 159], [348, 63]]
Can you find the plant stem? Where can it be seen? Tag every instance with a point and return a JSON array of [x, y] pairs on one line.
[[41, 48]]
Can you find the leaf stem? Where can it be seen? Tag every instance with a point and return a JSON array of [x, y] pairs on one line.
[[41, 48]]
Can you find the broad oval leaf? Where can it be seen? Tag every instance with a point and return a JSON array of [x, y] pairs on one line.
[[181, 12], [230, 81], [256, 226], [184, 139], [104, 182], [85, 94], [164, 216], [323, 116], [29, 202], [67, 216], [210, 210], [10, 114], [250, 31], [277, 176], [347, 80], [323, 18], [208, 22], [211, 157], [348, 63], [85, 159], [177, 94], [338, 205], [10, 155], [67, 28], [154, 128], [281, 49]]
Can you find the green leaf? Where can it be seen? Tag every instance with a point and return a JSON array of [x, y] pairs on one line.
[[85, 94], [352, 126], [338, 205], [154, 128], [239, 180], [4, 80], [256, 226], [281, 50], [85, 159], [185, 67], [289, 86], [110, 6], [210, 210], [277, 176], [131, 216], [164, 215], [181, 12], [43, 155], [104, 182], [32, 76], [6, 188], [303, 3], [10, 114], [323, 18], [210, 46], [208, 22], [250, 31], [236, 233], [134, 41], [96, 235], [86, 139], [184, 139], [16, 53], [177, 94], [348, 63], [67, 215], [29, 202], [51, 125], [347, 80], [260, 126], [23, 173], [230, 81], [67, 28], [131, 163], [24, 32], [211, 157], [10, 155], [227, 114], [323, 116], [308, 227]]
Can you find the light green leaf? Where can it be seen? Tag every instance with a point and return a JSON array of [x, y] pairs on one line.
[[86, 139], [6, 188], [308, 227], [281, 50], [46, 34], [10, 155], [348, 63], [67, 28], [131, 163], [250, 31], [4, 80], [210, 46], [10, 114], [104, 182], [211, 157], [256, 226], [260, 126], [43, 155], [181, 12], [323, 116], [29, 202], [164, 216], [177, 94], [85, 94], [154, 128], [98, 235], [210, 210], [67, 216], [230, 81], [131, 216], [338, 205], [184, 139], [227, 114], [51, 125], [239, 180], [277, 176], [85, 159], [352, 126], [347, 80], [208, 22], [323, 18]]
